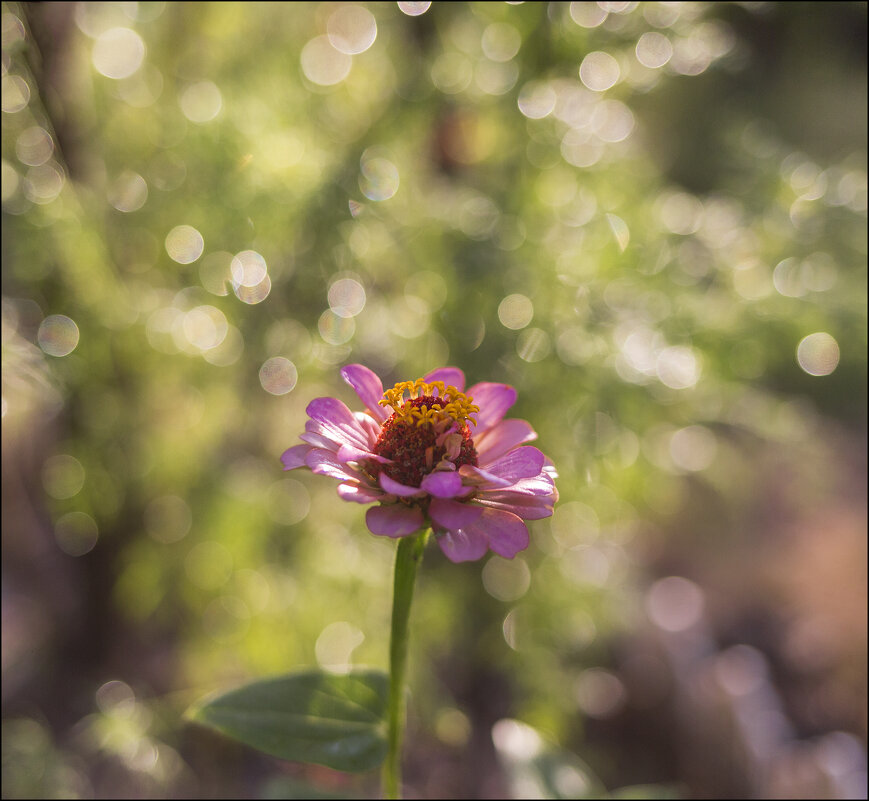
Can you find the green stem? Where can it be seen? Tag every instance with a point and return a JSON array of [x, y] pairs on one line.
[[407, 559]]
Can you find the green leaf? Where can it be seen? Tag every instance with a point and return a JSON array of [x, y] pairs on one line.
[[327, 719]]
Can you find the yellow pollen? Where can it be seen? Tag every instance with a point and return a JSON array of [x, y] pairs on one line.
[[449, 404]]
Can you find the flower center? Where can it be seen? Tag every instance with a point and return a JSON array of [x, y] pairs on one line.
[[427, 431]]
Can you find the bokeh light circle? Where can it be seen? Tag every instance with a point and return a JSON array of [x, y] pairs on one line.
[[34, 146], [335, 645], [515, 311], [44, 183], [15, 93], [323, 64], [205, 327], [76, 533], [654, 50], [506, 579], [128, 192], [414, 9], [675, 603], [693, 448], [587, 15], [346, 297], [501, 41], [818, 354], [288, 502], [168, 519], [533, 345], [58, 335], [184, 244], [248, 268], [351, 29], [678, 367], [253, 294], [536, 100], [599, 693], [334, 329], [118, 53], [379, 179], [201, 102], [599, 71], [62, 476], [278, 375]]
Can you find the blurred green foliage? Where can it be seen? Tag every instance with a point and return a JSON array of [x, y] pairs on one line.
[[592, 202]]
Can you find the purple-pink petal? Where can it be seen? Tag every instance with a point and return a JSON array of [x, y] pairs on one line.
[[359, 494], [394, 487], [453, 515], [295, 457], [479, 478], [451, 376], [368, 387], [463, 545], [501, 439], [313, 427], [325, 463], [536, 485], [337, 422], [528, 507], [494, 400], [395, 520], [318, 440], [369, 426], [442, 484], [350, 453], [524, 462], [549, 468], [507, 534]]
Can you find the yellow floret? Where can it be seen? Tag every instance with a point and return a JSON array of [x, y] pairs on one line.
[[449, 404]]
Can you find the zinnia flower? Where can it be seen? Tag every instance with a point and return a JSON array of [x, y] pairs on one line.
[[430, 453]]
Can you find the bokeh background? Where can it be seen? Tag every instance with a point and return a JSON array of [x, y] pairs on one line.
[[648, 217]]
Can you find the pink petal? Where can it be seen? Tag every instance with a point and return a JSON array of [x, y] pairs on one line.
[[318, 440], [337, 422], [528, 507], [524, 462], [314, 428], [395, 488], [396, 520], [370, 426], [368, 387], [325, 463], [537, 485], [506, 533], [451, 376], [453, 515], [350, 453], [493, 400], [442, 484], [463, 545], [501, 438], [295, 457], [358, 493], [479, 478]]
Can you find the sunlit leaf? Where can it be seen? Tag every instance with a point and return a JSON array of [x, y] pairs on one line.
[[332, 720]]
